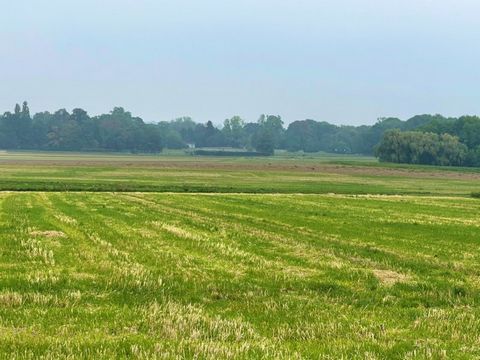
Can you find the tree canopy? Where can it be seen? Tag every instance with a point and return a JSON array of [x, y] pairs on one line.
[[426, 148], [119, 130]]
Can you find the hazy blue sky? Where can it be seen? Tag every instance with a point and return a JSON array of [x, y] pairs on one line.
[[343, 61]]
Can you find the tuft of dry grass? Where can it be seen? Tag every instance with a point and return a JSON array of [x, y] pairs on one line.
[[389, 277], [48, 233]]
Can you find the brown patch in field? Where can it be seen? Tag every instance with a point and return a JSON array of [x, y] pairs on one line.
[[389, 277], [217, 164], [49, 234]]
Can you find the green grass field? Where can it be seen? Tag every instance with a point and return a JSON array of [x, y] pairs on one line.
[[316, 174], [284, 257]]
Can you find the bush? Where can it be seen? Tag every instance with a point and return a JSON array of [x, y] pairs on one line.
[[228, 153], [413, 147]]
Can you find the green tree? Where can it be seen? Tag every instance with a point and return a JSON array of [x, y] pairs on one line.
[[421, 148], [264, 142], [234, 132], [273, 124]]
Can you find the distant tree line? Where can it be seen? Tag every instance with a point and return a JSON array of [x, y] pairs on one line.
[[420, 139], [434, 140], [117, 131]]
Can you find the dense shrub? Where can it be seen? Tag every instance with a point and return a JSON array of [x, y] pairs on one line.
[[229, 153], [414, 147]]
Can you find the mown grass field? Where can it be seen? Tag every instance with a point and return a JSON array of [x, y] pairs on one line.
[[240, 275], [316, 174]]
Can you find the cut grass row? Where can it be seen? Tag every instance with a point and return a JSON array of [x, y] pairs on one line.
[[238, 276]]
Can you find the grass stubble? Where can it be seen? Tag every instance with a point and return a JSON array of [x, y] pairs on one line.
[[145, 275]]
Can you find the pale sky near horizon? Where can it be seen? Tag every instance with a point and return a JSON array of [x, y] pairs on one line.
[[342, 61]]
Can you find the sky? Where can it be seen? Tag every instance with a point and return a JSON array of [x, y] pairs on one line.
[[341, 61]]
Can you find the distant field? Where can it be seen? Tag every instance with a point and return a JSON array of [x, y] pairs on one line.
[[284, 173], [238, 276]]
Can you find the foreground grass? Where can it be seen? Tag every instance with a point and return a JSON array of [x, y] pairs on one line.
[[149, 275]]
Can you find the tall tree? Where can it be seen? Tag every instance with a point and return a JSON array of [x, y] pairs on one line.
[[233, 130]]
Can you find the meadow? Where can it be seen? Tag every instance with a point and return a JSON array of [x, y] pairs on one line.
[[315, 174], [284, 257]]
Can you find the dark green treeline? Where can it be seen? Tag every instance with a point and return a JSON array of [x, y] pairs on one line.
[[120, 131]]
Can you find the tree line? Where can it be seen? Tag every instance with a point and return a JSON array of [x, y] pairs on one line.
[[120, 131], [391, 139], [435, 140]]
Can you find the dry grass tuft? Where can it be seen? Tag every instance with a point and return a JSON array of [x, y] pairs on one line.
[[49, 234], [389, 277]]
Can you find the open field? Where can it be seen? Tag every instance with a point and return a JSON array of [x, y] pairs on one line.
[[279, 276], [281, 174], [192, 257]]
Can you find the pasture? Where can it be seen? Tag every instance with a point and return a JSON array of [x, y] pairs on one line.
[[265, 258], [314, 174]]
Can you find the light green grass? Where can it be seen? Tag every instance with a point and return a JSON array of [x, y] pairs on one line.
[[137, 275]]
